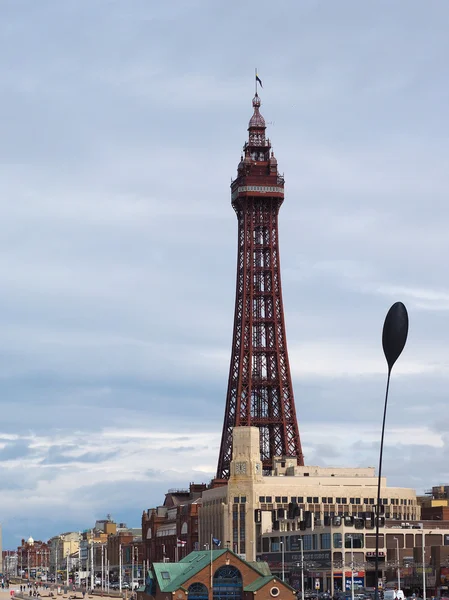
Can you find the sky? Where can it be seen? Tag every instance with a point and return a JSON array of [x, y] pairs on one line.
[[121, 128]]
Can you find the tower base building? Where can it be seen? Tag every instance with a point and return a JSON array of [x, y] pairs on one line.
[[291, 498]]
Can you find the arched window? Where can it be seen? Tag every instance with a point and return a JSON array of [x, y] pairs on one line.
[[228, 584], [184, 528], [198, 591]]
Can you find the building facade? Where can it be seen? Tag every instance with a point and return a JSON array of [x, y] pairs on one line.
[[170, 532], [329, 553], [252, 503], [33, 558], [216, 575]]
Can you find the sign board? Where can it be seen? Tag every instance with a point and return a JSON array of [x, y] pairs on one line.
[[317, 584], [359, 582], [444, 575]]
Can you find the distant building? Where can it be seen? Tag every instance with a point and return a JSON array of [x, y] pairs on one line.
[[435, 505], [170, 532], [33, 558]]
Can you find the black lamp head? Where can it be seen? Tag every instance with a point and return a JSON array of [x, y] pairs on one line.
[[395, 333]]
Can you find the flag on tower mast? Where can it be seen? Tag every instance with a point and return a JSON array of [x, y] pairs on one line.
[[258, 81]]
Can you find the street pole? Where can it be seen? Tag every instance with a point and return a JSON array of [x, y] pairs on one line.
[[91, 563], [102, 566], [397, 558], [352, 567], [283, 564], [302, 567], [394, 337], [423, 564], [120, 568], [67, 567], [132, 567], [56, 561]]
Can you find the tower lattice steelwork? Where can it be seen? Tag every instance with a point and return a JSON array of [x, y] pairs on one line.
[[260, 391]]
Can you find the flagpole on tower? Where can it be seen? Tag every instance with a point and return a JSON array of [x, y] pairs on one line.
[[255, 74]]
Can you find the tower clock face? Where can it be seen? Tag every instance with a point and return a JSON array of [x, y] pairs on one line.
[[240, 468]]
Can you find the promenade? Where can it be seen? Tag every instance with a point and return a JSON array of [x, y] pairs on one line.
[[53, 590]]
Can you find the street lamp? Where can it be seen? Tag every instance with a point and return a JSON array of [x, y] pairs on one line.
[[283, 560], [394, 336], [397, 557], [301, 540], [424, 591], [352, 566]]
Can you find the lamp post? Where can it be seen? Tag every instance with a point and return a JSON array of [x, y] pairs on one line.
[[301, 540], [424, 591], [397, 558], [120, 568], [394, 336], [283, 560], [352, 566], [67, 554]]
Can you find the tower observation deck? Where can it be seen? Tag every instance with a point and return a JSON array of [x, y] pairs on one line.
[[260, 391]]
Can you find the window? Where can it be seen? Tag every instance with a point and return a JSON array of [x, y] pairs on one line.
[[371, 500], [344, 500], [275, 544], [357, 540], [325, 541], [338, 500], [243, 499], [262, 499], [268, 499], [227, 583], [357, 500], [165, 575], [316, 499], [309, 499], [337, 540], [365, 500], [300, 499], [236, 499], [330, 500], [307, 542], [294, 499], [351, 501], [277, 498], [284, 499], [198, 591]]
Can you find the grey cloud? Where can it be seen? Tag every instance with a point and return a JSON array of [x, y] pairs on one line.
[[119, 252]]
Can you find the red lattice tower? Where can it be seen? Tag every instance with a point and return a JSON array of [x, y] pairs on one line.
[[260, 391]]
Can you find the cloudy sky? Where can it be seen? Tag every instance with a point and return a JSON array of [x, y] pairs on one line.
[[121, 127]]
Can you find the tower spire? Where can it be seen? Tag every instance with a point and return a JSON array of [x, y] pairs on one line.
[[260, 391]]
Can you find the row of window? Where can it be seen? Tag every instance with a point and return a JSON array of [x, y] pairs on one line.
[[316, 541], [330, 500]]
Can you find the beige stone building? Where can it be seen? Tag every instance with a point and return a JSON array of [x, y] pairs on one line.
[[251, 504]]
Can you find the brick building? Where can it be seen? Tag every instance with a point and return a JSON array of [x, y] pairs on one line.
[[125, 548], [171, 531], [33, 558], [226, 573]]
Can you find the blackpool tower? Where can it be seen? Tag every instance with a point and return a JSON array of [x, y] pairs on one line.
[[260, 391]]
